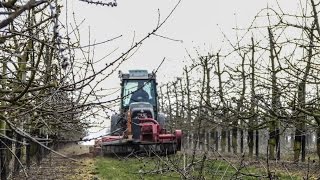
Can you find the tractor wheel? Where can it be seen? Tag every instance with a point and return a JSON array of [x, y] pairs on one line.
[[115, 124]]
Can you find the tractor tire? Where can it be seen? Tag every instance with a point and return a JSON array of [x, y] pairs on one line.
[[115, 124]]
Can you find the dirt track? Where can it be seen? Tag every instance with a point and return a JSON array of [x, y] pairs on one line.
[[55, 167]]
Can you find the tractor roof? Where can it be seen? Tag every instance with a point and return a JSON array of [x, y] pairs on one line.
[[137, 74]]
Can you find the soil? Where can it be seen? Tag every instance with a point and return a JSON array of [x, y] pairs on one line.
[[78, 165]]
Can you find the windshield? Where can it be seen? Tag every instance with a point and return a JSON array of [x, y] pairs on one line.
[[139, 91]]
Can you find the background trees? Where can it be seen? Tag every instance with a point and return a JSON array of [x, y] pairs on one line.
[[50, 82], [262, 89], [38, 107], [258, 94]]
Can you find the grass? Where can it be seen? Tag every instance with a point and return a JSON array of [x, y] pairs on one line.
[[217, 169], [130, 168], [154, 168]]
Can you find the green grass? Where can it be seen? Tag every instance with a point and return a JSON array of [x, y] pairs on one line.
[[155, 168], [130, 168], [217, 169]]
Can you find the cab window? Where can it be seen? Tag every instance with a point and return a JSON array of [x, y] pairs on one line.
[[138, 91]]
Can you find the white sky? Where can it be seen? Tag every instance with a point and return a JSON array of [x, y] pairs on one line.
[[198, 23]]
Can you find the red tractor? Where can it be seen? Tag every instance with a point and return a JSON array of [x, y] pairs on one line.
[[139, 127]]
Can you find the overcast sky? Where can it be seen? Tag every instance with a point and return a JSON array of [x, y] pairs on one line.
[[197, 23]]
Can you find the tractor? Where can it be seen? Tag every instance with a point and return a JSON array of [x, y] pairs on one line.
[[139, 127]]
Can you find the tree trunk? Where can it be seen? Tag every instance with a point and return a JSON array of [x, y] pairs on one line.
[[318, 142], [161, 100], [190, 139], [17, 153], [241, 140], [170, 107], [188, 93], [3, 159], [278, 145], [208, 141], [216, 140], [183, 109], [275, 99], [223, 139], [196, 140], [3, 124], [229, 140], [202, 139], [297, 145], [257, 144], [250, 142], [235, 140], [224, 118], [177, 112], [212, 139], [10, 156], [303, 145], [300, 128], [253, 120], [272, 140], [28, 154]]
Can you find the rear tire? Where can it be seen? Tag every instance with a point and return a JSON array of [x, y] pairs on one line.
[[115, 124]]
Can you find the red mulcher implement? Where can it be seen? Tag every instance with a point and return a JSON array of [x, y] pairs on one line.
[[139, 127]]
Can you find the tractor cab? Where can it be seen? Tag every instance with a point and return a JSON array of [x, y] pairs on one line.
[[138, 91], [138, 88]]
